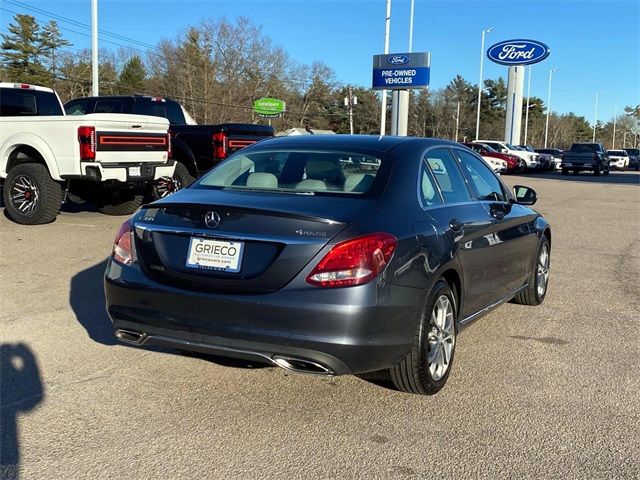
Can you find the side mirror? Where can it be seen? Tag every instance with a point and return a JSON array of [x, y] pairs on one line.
[[525, 195], [504, 150]]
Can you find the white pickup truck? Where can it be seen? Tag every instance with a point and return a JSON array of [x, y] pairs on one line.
[[111, 159]]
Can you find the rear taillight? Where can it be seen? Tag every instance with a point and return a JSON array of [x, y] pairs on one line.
[[87, 140], [169, 144], [123, 245], [354, 262], [219, 145]]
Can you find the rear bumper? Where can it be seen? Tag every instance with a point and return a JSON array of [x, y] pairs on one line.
[[129, 172], [349, 330]]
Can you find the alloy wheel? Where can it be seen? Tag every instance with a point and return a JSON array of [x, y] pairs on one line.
[[542, 277], [441, 338], [24, 194], [167, 185]]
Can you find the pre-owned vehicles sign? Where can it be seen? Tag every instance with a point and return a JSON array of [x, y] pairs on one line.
[[518, 52], [401, 71]]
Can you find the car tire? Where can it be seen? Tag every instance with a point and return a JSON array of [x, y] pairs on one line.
[[565, 171], [596, 171], [43, 194], [435, 338], [538, 283], [119, 201], [168, 185], [576, 172]]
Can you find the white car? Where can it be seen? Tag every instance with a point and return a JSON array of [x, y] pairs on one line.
[[530, 158], [44, 154], [618, 159], [496, 164]]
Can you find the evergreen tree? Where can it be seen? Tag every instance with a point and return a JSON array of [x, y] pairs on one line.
[[51, 41], [22, 52], [132, 78]]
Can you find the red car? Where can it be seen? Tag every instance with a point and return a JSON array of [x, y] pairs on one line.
[[514, 164]]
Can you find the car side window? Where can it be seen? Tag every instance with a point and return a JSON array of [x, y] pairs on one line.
[[77, 107], [484, 181], [447, 173], [429, 195]]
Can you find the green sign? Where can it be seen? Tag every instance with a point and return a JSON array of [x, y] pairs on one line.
[[269, 107]]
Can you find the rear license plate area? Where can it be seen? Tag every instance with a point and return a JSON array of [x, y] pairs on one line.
[[217, 255]]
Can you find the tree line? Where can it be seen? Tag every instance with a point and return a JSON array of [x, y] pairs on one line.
[[217, 68]]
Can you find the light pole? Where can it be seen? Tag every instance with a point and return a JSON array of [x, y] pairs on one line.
[[383, 113], [615, 120], [526, 114], [546, 128], [457, 121], [484, 32], [94, 48], [595, 118]]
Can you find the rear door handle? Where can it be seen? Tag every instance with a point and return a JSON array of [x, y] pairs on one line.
[[456, 225]]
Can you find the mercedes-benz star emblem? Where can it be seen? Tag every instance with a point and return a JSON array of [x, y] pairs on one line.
[[212, 219]]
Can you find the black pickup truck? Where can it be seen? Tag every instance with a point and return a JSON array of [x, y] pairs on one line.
[[196, 148], [585, 156]]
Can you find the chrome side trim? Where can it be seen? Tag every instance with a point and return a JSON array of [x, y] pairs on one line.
[[487, 309]]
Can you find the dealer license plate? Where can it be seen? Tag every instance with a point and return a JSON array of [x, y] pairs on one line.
[[134, 171], [215, 254]]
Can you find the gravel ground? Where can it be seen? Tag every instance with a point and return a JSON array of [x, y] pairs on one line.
[[535, 392]]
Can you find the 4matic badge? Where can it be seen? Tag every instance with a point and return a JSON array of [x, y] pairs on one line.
[[311, 233]]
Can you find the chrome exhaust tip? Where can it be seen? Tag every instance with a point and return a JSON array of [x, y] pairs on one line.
[[130, 336], [299, 365]]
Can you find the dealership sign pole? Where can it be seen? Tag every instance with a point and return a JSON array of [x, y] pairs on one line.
[[516, 54]]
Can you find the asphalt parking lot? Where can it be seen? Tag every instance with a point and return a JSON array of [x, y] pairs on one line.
[[550, 391]]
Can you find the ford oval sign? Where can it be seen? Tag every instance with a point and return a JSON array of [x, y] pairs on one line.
[[397, 60], [518, 52]]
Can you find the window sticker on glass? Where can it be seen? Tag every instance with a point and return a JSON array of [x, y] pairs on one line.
[[437, 166]]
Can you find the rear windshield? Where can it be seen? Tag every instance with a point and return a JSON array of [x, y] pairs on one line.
[[26, 102], [584, 147], [296, 171], [632, 151]]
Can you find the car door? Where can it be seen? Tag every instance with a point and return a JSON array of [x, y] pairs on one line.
[[511, 238], [465, 225]]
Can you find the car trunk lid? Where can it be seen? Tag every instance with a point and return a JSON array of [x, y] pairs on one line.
[[277, 234]]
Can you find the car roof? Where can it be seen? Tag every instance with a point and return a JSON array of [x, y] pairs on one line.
[[374, 143], [117, 97], [18, 86]]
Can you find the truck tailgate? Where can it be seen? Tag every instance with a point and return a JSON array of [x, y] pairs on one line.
[[132, 139]]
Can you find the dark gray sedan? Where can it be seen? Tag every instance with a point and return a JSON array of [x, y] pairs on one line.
[[330, 255]]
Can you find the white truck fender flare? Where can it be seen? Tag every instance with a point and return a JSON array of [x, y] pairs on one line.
[[30, 140]]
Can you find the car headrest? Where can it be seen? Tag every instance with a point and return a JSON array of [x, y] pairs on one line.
[[358, 182], [262, 180], [310, 184]]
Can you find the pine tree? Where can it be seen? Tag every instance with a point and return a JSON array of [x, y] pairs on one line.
[[132, 78], [22, 52], [51, 41]]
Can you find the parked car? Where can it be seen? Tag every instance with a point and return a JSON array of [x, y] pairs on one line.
[[196, 148], [634, 158], [284, 253], [618, 159], [556, 155], [113, 159], [546, 160], [513, 164], [585, 157], [531, 159]]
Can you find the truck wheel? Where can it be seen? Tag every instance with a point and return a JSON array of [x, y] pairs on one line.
[[565, 171], [426, 368], [576, 171], [596, 171], [167, 185], [119, 201], [538, 279], [31, 196]]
